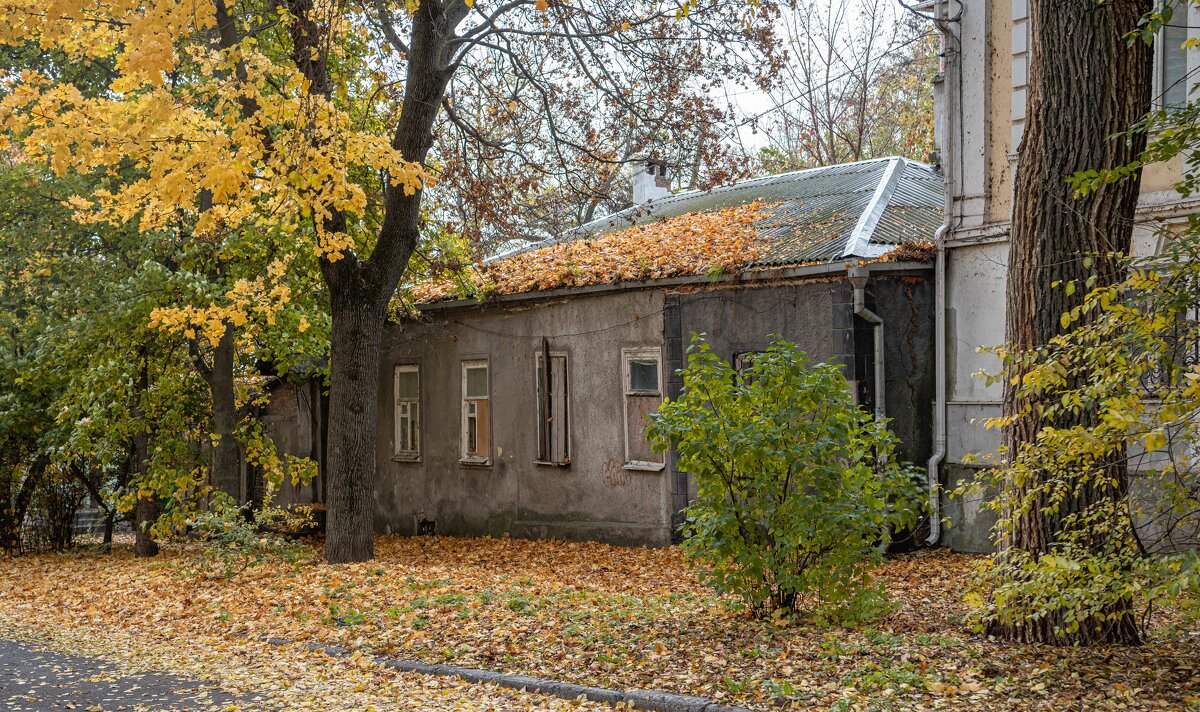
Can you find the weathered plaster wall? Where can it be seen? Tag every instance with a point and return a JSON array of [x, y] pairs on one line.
[[594, 497], [818, 317], [289, 420]]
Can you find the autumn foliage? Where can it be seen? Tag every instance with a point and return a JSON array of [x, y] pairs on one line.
[[716, 242]]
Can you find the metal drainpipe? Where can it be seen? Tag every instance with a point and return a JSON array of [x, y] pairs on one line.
[[858, 277], [933, 470], [947, 144]]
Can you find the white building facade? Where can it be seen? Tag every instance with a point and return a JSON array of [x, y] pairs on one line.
[[980, 114]]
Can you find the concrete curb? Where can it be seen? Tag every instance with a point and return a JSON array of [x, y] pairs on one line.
[[637, 699]]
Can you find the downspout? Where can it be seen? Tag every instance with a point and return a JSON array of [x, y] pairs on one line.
[[934, 467], [933, 470], [858, 277]]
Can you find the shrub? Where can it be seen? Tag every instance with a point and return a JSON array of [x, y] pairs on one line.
[[797, 488], [230, 543]]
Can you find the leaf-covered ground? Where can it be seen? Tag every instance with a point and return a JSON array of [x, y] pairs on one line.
[[584, 613]]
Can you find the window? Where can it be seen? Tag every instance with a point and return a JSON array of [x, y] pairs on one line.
[[408, 412], [742, 362], [643, 394], [476, 414], [553, 408], [1173, 82]]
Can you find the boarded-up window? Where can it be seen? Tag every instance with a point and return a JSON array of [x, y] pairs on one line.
[[743, 362], [408, 412], [476, 416], [554, 413], [642, 374]]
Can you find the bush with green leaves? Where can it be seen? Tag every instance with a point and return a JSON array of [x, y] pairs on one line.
[[798, 491], [229, 542]]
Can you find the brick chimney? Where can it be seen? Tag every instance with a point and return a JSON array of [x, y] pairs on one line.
[[651, 181]]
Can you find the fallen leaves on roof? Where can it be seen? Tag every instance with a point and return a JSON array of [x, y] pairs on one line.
[[718, 242], [577, 612], [917, 251]]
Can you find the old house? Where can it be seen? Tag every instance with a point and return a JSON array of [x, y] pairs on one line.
[[522, 411], [981, 112]]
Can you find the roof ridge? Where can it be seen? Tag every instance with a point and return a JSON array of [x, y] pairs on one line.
[[859, 241]]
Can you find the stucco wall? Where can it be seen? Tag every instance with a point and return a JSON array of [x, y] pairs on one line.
[[818, 317], [594, 497]]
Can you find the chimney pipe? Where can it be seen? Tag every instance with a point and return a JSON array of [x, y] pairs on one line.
[[651, 181]]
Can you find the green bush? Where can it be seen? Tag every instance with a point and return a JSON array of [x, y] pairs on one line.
[[798, 492], [229, 543]]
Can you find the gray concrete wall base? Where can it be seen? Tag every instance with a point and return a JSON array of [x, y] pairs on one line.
[[970, 523]]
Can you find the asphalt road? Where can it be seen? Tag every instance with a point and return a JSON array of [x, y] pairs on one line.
[[35, 680]]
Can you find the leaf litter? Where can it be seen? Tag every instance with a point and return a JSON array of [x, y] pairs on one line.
[[584, 613]]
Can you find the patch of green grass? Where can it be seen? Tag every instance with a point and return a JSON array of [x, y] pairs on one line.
[[873, 676]]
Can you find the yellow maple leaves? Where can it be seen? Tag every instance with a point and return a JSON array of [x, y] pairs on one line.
[[697, 243], [263, 297], [240, 139]]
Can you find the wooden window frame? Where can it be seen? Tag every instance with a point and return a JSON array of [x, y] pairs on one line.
[[465, 457], [545, 431], [1190, 16], [628, 356], [413, 455]]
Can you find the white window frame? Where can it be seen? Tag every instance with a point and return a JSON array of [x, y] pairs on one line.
[[1191, 15], [400, 417], [538, 357], [465, 457], [628, 356]]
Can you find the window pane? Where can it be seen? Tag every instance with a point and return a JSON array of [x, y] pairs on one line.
[[482, 430], [477, 382], [1175, 82], [637, 409], [414, 434], [406, 383], [404, 433], [643, 375]]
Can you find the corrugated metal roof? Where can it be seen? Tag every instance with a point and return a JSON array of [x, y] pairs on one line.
[[812, 214]]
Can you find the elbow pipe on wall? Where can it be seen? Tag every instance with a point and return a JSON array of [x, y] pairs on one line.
[[858, 277]]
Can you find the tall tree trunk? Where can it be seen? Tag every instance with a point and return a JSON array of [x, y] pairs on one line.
[[145, 509], [1086, 84], [227, 457], [361, 289], [353, 409], [13, 518]]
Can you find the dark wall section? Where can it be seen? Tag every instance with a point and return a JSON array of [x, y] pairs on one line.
[[819, 318]]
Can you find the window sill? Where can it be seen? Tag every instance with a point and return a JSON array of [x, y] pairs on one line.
[[548, 463], [475, 461], [404, 457], [645, 466]]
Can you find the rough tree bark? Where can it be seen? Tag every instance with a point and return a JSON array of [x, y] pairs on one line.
[[1086, 84], [361, 289], [227, 457], [145, 509]]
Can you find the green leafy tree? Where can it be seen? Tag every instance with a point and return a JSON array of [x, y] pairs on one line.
[[798, 492]]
